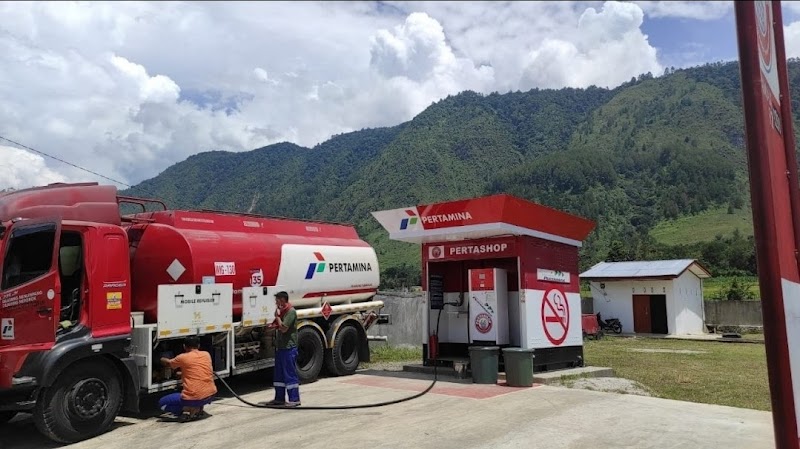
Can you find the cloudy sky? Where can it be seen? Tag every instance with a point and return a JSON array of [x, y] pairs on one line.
[[128, 89]]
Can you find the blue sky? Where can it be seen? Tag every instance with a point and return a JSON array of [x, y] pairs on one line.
[[688, 42]]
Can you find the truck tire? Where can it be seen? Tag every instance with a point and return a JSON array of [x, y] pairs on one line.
[[343, 359], [310, 354], [82, 402], [6, 417]]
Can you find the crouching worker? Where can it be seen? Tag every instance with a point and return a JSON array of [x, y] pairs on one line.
[[285, 378], [198, 382]]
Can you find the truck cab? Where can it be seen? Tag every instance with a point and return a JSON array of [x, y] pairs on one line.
[[64, 328]]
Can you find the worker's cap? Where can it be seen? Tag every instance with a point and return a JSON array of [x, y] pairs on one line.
[[282, 295]]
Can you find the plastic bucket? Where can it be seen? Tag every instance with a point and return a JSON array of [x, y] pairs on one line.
[[483, 363], [519, 366]]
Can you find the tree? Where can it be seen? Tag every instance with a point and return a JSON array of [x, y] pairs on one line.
[[617, 252]]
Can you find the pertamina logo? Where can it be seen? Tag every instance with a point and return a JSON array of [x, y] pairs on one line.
[[316, 267], [335, 267], [411, 220]]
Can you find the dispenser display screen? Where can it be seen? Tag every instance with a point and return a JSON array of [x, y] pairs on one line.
[[436, 291]]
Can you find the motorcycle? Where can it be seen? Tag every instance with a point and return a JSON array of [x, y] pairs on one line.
[[612, 324]]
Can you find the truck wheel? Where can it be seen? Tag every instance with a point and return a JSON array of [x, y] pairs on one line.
[[82, 403], [343, 359], [6, 417], [310, 354]]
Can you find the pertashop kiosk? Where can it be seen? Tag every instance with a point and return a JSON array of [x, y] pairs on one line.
[[501, 271]]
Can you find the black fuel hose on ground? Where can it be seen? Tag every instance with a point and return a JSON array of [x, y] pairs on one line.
[[345, 407]]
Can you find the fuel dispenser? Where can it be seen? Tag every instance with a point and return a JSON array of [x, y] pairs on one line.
[[488, 306]]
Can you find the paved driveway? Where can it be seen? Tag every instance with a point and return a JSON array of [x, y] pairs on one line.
[[451, 416]]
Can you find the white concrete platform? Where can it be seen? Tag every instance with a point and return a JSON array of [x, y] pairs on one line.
[[452, 416], [552, 377]]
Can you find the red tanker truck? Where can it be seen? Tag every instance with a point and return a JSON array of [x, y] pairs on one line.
[[90, 299]]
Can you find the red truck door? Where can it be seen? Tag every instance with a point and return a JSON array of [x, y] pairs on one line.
[[30, 295]]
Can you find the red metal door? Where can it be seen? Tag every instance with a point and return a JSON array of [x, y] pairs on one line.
[[641, 314], [30, 295]]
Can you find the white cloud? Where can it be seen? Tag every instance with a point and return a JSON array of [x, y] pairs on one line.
[[698, 10], [417, 50], [127, 89], [791, 39], [608, 49], [22, 169], [156, 89]]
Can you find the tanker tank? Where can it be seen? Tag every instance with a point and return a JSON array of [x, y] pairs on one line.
[[314, 262]]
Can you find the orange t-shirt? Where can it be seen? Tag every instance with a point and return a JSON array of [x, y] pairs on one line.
[[196, 373]]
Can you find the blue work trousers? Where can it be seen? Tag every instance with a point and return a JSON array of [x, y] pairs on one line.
[[285, 375], [173, 403]]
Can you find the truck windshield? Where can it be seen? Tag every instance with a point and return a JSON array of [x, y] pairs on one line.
[[29, 254]]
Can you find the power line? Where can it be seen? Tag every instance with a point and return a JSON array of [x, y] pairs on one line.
[[63, 161]]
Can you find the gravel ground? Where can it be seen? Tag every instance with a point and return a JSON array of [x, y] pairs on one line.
[[608, 384]]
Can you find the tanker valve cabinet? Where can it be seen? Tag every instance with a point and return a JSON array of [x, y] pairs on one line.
[[488, 306]]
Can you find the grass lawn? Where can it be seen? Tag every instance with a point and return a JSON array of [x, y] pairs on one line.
[[704, 226], [386, 353], [391, 358], [733, 374]]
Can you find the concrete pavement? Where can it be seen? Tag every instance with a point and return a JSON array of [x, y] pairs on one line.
[[452, 416]]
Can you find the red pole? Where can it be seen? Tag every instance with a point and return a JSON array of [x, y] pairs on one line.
[[786, 121], [773, 187]]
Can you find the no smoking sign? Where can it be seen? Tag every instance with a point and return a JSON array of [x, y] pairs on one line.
[[555, 316]]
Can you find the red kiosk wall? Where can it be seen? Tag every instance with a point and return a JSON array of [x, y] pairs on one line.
[[549, 255], [550, 308]]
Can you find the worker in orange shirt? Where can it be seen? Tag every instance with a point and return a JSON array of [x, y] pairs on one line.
[[198, 382]]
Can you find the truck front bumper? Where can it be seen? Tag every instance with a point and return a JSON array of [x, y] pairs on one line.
[[17, 392], [18, 399]]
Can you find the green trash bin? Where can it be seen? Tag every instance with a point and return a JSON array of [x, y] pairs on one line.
[[483, 362], [519, 366]]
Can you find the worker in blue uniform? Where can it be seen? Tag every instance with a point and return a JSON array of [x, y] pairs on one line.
[[285, 379]]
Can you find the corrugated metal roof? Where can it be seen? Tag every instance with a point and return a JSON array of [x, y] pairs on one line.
[[644, 269]]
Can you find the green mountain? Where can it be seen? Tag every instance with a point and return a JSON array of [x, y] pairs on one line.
[[646, 160]]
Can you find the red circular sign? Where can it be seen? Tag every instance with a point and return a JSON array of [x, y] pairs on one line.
[[764, 32], [555, 316], [436, 252], [483, 323]]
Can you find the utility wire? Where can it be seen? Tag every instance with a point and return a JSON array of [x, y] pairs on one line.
[[63, 161]]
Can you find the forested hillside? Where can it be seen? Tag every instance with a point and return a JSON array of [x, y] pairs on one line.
[[652, 153]]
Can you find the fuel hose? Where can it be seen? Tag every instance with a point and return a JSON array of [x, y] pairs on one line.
[[344, 407]]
